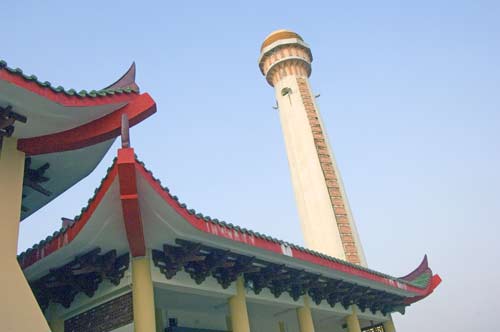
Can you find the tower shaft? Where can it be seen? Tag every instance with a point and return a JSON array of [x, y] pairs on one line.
[[324, 212]]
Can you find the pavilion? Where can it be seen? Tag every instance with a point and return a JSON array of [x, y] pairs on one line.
[[137, 259]]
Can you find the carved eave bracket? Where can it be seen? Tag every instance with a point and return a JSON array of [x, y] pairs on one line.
[[33, 178], [83, 275], [7, 119], [201, 261]]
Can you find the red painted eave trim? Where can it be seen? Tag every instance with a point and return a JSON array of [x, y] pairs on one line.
[[130, 202], [94, 132], [126, 168], [60, 97], [63, 239], [234, 235], [435, 282]]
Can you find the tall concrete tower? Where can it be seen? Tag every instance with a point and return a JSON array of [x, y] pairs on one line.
[[324, 212]]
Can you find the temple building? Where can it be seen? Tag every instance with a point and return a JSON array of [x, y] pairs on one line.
[[138, 259]]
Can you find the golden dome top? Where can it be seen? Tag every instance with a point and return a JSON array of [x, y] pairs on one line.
[[279, 35]]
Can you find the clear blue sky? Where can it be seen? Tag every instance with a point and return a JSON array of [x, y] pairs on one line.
[[409, 95]]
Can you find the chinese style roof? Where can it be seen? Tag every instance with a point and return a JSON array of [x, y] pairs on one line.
[[109, 91], [64, 133], [132, 212]]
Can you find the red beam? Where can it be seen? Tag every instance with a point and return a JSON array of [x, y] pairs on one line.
[[130, 202], [94, 132]]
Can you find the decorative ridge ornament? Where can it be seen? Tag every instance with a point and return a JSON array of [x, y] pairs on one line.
[[125, 131], [421, 269], [126, 81], [124, 85]]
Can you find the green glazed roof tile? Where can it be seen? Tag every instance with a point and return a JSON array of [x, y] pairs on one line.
[[60, 89], [422, 280]]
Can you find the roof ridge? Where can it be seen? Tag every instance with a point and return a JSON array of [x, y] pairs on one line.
[[417, 283], [69, 92], [421, 281]]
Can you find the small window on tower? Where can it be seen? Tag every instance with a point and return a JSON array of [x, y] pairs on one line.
[[286, 91]]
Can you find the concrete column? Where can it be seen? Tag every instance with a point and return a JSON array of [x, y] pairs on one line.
[[304, 316], [143, 295], [389, 325], [238, 308], [57, 325], [20, 311], [353, 322]]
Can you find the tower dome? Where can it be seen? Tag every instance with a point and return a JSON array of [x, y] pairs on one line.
[[284, 53], [279, 35]]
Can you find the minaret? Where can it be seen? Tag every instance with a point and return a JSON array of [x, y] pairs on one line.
[[324, 212]]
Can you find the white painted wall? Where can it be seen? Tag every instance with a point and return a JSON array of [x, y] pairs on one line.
[[183, 282]]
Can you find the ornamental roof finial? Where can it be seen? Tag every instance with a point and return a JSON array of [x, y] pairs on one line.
[[125, 131]]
